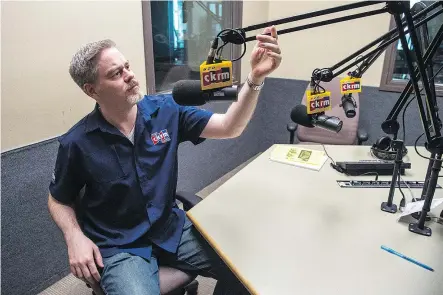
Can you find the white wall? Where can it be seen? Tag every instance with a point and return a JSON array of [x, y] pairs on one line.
[[320, 47], [254, 12], [39, 99]]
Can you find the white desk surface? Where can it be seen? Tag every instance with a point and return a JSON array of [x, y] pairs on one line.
[[288, 230]]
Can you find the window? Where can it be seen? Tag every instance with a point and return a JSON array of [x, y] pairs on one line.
[[395, 73], [178, 35]]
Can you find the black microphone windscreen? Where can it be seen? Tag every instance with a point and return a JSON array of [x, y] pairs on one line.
[[300, 116], [188, 93]]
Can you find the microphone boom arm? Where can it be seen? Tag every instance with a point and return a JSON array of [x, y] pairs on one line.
[[238, 36], [427, 106], [369, 58]]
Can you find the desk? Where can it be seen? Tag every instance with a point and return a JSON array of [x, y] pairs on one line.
[[288, 230]]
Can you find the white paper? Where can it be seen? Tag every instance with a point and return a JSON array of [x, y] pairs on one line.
[[413, 207]]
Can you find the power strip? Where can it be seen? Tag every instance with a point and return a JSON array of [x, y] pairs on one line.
[[379, 184], [380, 167]]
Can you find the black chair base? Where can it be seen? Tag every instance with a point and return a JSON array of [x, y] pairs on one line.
[[192, 288]]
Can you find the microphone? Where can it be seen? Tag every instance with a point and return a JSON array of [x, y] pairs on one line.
[[215, 74], [349, 85], [300, 116], [348, 103], [189, 93]]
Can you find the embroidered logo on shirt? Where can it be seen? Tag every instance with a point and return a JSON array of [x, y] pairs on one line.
[[161, 136]]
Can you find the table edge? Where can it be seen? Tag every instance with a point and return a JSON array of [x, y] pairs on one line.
[[223, 256]]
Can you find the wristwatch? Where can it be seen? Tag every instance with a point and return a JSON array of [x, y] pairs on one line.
[[254, 86]]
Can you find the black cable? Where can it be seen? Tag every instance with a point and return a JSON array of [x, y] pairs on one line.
[[415, 147], [315, 74], [403, 200], [403, 117], [244, 51], [220, 49], [324, 148], [359, 65]]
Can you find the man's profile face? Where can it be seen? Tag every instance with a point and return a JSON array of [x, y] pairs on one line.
[[116, 83]]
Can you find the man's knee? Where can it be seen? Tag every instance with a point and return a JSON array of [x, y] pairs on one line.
[[129, 274]]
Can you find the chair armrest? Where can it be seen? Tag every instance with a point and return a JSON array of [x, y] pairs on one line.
[[96, 289], [189, 200], [362, 135], [291, 127]]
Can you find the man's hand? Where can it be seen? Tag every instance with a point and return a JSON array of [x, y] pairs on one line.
[[266, 55], [83, 256], [265, 58]]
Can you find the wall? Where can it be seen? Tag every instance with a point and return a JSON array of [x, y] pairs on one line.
[[254, 12], [39, 99], [321, 47]]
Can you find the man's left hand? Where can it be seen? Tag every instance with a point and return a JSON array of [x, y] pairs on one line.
[[266, 55]]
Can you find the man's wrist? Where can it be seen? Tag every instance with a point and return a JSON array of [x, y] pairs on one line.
[[256, 80], [71, 234], [254, 83]]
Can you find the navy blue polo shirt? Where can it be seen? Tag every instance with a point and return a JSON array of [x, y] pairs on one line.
[[129, 200]]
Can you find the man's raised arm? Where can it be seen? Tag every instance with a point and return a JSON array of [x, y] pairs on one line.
[[265, 58]]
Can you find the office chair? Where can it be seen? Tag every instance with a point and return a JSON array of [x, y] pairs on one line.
[[350, 132], [172, 281]]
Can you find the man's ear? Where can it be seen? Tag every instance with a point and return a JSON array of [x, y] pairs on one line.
[[89, 89]]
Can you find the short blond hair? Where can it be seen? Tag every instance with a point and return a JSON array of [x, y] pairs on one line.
[[83, 67]]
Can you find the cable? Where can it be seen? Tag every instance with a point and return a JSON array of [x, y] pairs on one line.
[[403, 118], [409, 188], [403, 200], [438, 219], [359, 65], [220, 49], [317, 85], [415, 146], [416, 150], [324, 148]]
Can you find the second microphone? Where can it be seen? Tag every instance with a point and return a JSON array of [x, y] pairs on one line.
[[300, 116]]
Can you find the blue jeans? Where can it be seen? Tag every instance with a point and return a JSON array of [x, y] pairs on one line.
[[125, 273]]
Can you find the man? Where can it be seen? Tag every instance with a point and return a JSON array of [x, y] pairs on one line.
[[124, 155]]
